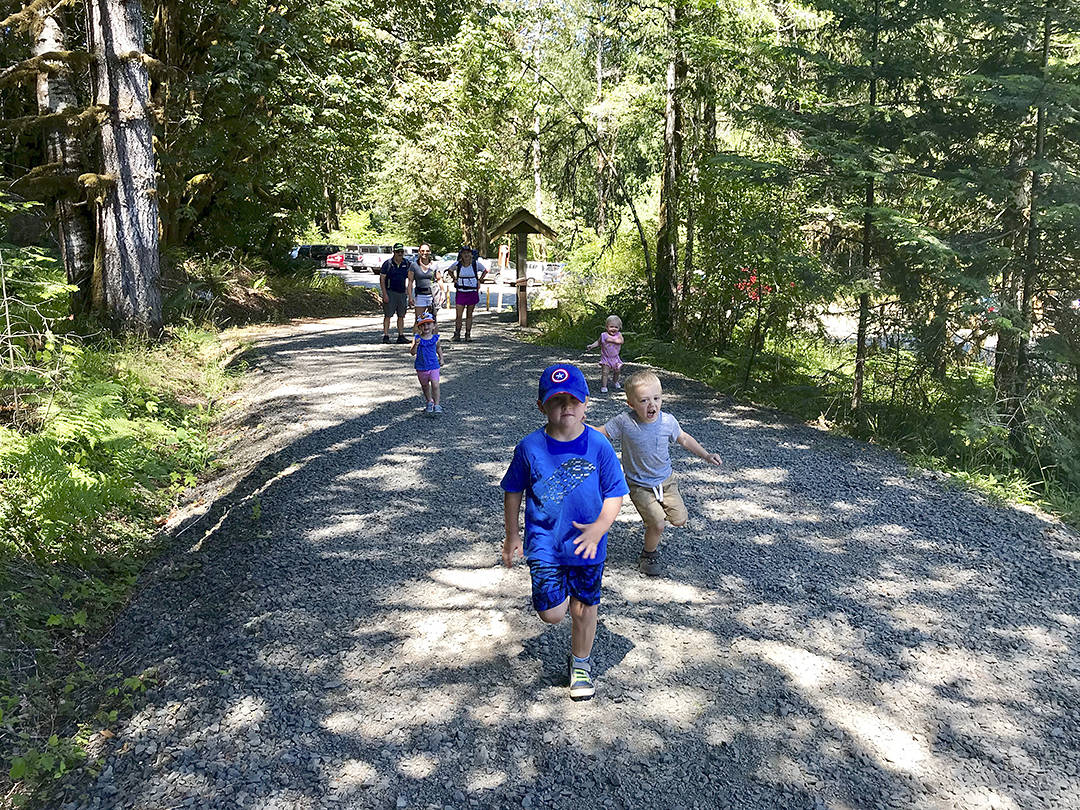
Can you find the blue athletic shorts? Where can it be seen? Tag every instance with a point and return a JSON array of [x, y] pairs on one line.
[[551, 584]]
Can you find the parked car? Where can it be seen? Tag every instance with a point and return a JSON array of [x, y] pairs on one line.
[[316, 254], [371, 257], [444, 261], [375, 255], [350, 258]]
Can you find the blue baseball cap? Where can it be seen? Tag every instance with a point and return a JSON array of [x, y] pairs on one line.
[[563, 378]]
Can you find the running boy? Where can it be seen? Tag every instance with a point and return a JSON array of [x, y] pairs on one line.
[[573, 488], [429, 360], [646, 433]]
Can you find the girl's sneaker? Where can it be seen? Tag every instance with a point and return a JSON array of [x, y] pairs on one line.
[[438, 409], [618, 386], [430, 409], [603, 390]]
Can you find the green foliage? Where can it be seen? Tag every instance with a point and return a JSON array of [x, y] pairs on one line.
[[606, 271], [103, 441], [98, 440]]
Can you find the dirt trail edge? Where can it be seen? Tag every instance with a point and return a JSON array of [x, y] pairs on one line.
[[834, 631]]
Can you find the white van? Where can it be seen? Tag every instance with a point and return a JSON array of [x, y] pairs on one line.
[[373, 256]]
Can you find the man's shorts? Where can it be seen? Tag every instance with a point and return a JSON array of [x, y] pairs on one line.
[[396, 302], [551, 584], [652, 511]]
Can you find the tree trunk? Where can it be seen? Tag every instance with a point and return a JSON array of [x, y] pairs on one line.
[[1011, 363], [538, 199], [868, 222], [864, 305], [1006, 383], [483, 206], [667, 241], [601, 154], [1031, 252], [696, 124], [165, 47], [331, 221], [708, 190], [128, 214], [468, 222], [74, 222]]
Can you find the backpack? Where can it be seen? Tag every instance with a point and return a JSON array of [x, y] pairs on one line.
[[453, 270]]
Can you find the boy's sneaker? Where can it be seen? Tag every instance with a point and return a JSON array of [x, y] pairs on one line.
[[438, 409], [649, 563], [581, 682], [385, 338], [401, 339], [457, 337]]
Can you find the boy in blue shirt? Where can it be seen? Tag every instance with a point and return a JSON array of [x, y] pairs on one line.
[[573, 487]]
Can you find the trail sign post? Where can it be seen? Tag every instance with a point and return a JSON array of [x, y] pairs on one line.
[[521, 223]]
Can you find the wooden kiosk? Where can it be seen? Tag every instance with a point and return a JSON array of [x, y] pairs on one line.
[[521, 223]]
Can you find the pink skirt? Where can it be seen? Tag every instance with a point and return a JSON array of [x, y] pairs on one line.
[[467, 298]]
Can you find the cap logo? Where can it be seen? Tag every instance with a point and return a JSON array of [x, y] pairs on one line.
[[560, 375]]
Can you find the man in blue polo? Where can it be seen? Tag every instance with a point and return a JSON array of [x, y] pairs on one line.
[[392, 278]]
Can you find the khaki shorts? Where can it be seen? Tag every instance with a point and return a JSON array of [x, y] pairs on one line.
[[652, 511]]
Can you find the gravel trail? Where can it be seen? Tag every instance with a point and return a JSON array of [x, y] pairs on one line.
[[834, 630]]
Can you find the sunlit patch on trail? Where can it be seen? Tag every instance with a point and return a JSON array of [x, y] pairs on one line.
[[249, 713], [419, 766], [658, 590], [357, 773]]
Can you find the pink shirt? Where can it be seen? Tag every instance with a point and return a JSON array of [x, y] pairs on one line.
[[609, 350]]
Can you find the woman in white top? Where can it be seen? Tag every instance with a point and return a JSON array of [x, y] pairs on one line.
[[468, 275]]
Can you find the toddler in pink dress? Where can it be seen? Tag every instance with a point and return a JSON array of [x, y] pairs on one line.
[[610, 343]]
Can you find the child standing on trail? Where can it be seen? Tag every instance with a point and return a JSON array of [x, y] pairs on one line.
[[573, 489], [646, 433], [429, 360], [610, 343]]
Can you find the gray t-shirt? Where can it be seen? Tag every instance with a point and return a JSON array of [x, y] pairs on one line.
[[646, 453], [422, 278]]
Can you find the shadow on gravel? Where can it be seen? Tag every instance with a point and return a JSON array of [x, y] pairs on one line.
[[832, 630]]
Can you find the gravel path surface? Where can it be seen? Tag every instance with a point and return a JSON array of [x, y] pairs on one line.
[[834, 631]]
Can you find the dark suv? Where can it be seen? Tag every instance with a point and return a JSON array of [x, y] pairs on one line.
[[316, 253]]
